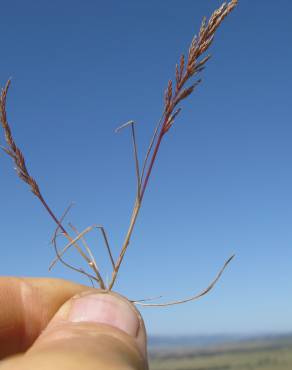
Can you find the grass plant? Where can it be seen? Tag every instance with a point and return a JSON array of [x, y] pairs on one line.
[[178, 89]]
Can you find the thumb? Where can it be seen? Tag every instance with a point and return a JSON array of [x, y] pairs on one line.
[[94, 330]]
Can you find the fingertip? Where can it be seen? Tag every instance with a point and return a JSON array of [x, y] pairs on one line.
[[102, 324]]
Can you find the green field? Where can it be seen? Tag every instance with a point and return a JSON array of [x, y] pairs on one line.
[[246, 355]]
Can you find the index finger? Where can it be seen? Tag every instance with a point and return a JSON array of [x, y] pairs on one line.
[[26, 307]]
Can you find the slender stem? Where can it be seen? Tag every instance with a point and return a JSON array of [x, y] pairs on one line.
[[151, 145], [44, 203], [101, 228], [195, 297], [145, 182], [137, 167], [134, 216]]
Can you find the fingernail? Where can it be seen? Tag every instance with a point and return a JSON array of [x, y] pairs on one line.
[[105, 308]]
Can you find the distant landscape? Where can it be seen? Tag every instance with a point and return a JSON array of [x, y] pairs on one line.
[[226, 352]]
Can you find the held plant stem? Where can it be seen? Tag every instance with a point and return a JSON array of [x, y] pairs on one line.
[[185, 70], [177, 91], [15, 153]]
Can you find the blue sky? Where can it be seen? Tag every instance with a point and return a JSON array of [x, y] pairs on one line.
[[222, 183]]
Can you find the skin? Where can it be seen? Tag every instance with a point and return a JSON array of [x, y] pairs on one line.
[[56, 324]]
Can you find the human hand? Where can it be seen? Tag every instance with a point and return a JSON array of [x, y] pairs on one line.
[[55, 324]]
